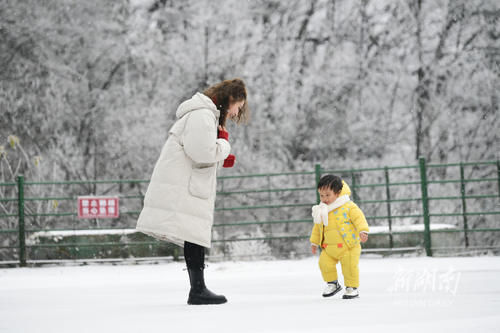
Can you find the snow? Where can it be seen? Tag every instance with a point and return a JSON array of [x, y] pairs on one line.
[[416, 294], [59, 234], [407, 228]]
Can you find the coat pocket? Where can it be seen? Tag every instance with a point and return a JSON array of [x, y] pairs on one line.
[[201, 182]]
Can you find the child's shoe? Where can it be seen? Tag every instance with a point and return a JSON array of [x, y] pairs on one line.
[[331, 289], [350, 293]]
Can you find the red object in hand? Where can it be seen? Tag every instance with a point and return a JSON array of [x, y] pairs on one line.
[[223, 135], [229, 161]]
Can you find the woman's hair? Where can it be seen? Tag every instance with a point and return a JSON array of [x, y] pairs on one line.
[[227, 92], [331, 182]]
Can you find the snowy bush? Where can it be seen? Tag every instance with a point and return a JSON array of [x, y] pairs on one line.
[[251, 249]]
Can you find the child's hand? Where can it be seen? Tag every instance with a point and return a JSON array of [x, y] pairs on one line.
[[363, 236], [314, 248]]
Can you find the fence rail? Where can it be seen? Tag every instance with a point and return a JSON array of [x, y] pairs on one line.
[[280, 213]]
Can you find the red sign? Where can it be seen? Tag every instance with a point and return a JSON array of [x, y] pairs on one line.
[[97, 207]]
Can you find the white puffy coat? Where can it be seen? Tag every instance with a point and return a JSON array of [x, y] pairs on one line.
[[179, 202]]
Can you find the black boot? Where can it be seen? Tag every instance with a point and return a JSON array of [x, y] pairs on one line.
[[194, 255], [199, 294]]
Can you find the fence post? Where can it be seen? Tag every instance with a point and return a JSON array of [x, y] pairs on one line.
[[224, 222], [269, 200], [464, 204], [425, 206], [388, 197], [20, 214], [498, 172], [317, 170]]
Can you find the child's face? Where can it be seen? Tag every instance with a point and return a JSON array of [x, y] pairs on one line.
[[327, 195]]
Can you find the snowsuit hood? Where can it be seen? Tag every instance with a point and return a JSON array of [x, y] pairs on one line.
[[346, 190]]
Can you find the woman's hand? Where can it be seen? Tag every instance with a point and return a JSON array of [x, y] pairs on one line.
[[222, 133], [314, 248], [363, 236], [230, 159]]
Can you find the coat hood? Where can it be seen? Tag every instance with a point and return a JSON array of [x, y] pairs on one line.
[[197, 102]]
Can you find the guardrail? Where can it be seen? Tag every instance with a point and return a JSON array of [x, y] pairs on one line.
[[270, 210]]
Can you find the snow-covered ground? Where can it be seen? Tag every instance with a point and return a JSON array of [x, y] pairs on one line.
[[411, 294]]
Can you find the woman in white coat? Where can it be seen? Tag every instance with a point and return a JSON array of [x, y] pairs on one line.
[[179, 202]]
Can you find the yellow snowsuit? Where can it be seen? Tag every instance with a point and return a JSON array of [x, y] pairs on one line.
[[340, 241]]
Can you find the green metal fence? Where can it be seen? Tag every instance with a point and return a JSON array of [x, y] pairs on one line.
[[38, 221]]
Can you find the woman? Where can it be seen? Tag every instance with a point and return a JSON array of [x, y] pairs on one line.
[[179, 202]]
